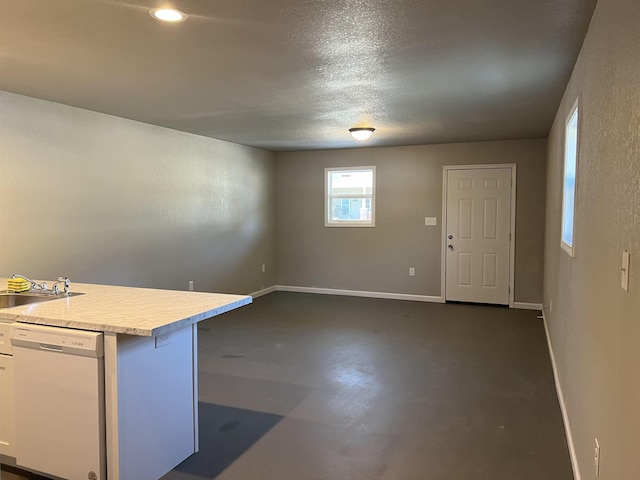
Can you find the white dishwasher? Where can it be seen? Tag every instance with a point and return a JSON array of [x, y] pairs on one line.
[[59, 401]]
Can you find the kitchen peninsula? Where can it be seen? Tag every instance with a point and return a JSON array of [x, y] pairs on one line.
[[150, 367]]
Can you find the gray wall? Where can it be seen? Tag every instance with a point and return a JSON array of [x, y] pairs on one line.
[[107, 200], [594, 325], [409, 188]]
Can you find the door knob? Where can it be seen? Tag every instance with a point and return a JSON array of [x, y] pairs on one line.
[[450, 237], [450, 246]]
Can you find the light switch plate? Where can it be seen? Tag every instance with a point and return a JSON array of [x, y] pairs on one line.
[[430, 221], [626, 261]]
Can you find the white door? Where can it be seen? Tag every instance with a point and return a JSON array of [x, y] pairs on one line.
[[478, 230]]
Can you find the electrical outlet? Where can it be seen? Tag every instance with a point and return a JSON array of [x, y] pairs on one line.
[[163, 340], [412, 272], [191, 285], [596, 457], [264, 268]]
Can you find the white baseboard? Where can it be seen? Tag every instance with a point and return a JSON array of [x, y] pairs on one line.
[[563, 407], [262, 292], [360, 293], [527, 306]]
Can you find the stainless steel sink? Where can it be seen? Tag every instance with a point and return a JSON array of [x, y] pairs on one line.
[[9, 299]]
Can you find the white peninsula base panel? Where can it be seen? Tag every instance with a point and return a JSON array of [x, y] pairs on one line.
[[151, 403]]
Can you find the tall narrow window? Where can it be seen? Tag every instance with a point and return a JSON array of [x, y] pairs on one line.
[[350, 197], [569, 184]]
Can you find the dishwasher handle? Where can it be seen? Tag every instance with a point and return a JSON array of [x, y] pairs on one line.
[[51, 348]]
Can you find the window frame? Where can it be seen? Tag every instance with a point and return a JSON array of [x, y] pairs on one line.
[[575, 111], [328, 222]]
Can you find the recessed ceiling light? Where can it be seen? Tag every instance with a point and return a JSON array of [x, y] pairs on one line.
[[361, 133], [168, 15]]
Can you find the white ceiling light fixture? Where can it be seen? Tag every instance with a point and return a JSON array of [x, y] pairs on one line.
[[361, 133], [168, 15]]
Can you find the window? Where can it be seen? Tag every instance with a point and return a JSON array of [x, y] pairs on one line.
[[569, 184], [350, 197]]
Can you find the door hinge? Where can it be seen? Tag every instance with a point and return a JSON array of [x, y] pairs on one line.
[[509, 289]]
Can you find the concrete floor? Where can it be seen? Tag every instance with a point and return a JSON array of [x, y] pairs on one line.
[[300, 386]]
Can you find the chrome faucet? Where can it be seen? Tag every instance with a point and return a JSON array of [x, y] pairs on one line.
[[34, 284]]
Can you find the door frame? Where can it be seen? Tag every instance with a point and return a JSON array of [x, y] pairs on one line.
[[512, 243]]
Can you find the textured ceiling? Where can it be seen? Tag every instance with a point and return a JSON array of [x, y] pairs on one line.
[[296, 74]]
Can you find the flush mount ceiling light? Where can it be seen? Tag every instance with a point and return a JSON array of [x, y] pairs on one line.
[[168, 15], [361, 133]]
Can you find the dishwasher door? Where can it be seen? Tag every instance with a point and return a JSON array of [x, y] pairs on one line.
[[59, 401]]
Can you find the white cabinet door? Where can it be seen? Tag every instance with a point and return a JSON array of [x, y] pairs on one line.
[[5, 338], [7, 428]]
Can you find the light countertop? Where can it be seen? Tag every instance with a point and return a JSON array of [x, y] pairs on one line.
[[133, 311]]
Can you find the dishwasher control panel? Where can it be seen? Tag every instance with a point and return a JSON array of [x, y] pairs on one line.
[[56, 339]]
